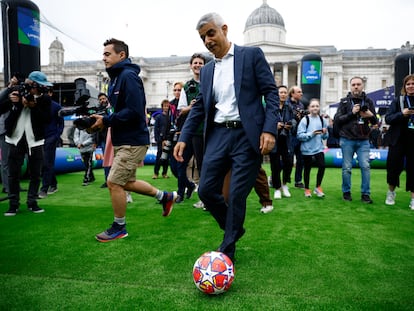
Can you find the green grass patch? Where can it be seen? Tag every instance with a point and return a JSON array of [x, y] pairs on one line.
[[308, 254]]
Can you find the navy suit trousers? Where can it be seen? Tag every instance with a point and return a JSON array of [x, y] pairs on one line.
[[228, 149]]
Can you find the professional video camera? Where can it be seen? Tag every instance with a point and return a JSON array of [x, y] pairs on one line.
[[81, 108]]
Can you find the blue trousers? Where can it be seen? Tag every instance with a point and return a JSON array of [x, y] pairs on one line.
[[228, 149]]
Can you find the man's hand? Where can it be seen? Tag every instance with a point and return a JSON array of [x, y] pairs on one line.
[[98, 125], [356, 108], [267, 142], [28, 103], [178, 151], [14, 97]]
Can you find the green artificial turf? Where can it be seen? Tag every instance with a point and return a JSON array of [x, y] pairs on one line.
[[308, 254]]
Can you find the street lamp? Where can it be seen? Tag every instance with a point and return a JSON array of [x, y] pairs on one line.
[[99, 78], [168, 83]]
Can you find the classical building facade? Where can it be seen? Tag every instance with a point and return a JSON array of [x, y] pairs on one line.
[[265, 28]]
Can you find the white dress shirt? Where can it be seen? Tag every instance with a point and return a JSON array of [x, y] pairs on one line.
[[223, 89]]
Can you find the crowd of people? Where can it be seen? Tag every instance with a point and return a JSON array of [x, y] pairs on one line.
[[213, 136]]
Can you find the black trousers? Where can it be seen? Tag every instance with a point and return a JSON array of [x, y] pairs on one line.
[[307, 165], [400, 156], [17, 155]]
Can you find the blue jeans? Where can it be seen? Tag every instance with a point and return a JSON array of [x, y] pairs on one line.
[[361, 148]]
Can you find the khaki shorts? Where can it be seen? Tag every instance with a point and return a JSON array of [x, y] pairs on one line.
[[126, 161]]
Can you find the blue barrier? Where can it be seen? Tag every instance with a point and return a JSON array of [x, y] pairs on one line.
[[69, 159]]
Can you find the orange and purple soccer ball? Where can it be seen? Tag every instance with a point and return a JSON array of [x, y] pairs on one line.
[[213, 273]]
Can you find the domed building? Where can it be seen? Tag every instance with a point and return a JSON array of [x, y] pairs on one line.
[[265, 24], [264, 28]]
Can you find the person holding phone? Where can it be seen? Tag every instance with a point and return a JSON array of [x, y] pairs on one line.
[[312, 130], [400, 118]]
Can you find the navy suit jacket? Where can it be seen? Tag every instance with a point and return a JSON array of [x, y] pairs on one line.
[[253, 83]]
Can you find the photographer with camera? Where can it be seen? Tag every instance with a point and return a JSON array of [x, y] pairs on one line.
[[299, 109], [101, 138], [130, 137], [53, 131], [164, 121], [185, 104], [29, 107], [4, 146], [355, 115], [283, 151]]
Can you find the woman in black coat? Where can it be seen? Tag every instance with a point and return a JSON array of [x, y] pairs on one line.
[[400, 117]]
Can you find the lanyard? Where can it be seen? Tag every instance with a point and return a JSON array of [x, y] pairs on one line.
[[353, 104], [408, 101]]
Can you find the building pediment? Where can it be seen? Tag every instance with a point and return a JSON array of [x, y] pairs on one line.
[[270, 47]]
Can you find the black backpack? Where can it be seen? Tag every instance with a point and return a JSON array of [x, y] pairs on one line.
[[307, 121]]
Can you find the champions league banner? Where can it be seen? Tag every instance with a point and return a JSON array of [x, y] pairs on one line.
[[378, 158], [69, 159]]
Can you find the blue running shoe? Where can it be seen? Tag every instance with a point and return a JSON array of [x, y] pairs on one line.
[[167, 202], [116, 231]]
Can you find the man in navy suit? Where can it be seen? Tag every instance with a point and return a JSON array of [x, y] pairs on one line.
[[238, 128]]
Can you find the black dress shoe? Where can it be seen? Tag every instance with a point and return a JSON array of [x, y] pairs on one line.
[[347, 196], [230, 250], [190, 191], [366, 199], [299, 185], [179, 199]]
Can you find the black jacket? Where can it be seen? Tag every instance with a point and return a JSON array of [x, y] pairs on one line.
[[126, 94], [397, 122], [39, 115], [348, 123]]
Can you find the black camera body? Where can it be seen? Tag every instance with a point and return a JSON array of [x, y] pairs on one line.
[[192, 87], [284, 131], [24, 90], [171, 140], [364, 108], [302, 112]]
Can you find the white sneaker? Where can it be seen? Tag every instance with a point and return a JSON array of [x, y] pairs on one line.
[[285, 191], [266, 209], [390, 200], [412, 204], [129, 198], [308, 193], [278, 194], [199, 204], [319, 192]]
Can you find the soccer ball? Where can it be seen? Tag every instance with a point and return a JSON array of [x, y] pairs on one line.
[[213, 273]]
